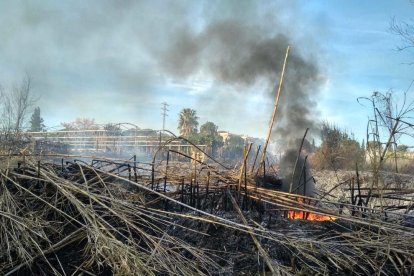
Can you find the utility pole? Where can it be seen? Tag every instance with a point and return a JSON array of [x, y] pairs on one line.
[[164, 113]]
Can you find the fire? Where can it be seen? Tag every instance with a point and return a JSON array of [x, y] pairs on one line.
[[308, 215]]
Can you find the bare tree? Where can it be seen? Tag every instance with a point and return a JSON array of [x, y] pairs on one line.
[[14, 107], [80, 124], [21, 101], [388, 123], [405, 30]]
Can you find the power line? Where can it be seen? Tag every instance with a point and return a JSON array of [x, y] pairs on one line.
[[164, 113]]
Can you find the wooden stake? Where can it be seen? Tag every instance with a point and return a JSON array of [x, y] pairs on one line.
[[135, 169], [255, 159], [207, 185], [182, 193], [165, 178], [152, 175], [246, 151]]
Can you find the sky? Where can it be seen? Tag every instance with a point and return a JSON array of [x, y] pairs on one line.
[[117, 61]]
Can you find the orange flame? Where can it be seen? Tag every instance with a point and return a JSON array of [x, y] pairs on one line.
[[308, 215]]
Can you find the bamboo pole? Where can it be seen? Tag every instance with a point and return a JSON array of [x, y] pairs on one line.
[[269, 131], [246, 152]]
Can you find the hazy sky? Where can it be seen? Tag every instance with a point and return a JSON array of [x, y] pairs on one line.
[[116, 61]]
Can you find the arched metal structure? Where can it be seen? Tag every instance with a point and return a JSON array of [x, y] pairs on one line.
[[128, 138]]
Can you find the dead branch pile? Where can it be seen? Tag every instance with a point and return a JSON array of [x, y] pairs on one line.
[[81, 221], [184, 219]]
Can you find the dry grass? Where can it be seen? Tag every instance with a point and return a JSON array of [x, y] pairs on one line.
[[48, 217], [38, 213]]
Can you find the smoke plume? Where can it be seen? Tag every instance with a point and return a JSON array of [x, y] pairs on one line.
[[241, 55]]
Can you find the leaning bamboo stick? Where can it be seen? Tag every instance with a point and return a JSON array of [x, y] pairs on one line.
[[270, 264], [272, 121], [70, 238]]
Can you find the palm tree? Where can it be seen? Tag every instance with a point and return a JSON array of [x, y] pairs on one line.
[[188, 123]]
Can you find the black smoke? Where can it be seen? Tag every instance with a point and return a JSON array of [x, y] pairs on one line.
[[301, 178], [240, 55]]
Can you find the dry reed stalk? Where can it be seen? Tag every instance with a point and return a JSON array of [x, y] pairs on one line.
[[133, 236], [274, 113]]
